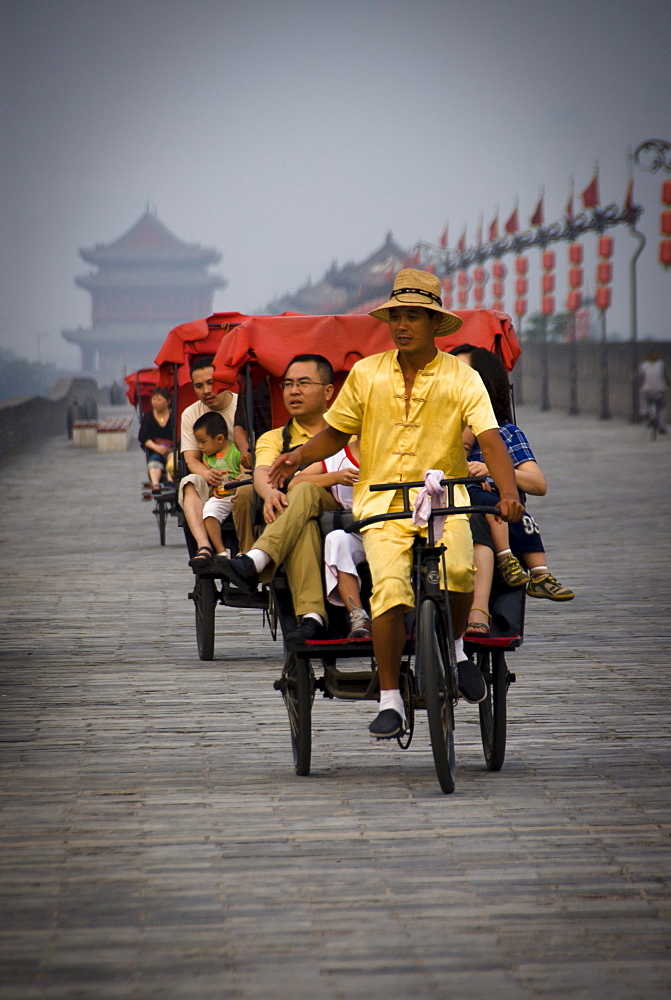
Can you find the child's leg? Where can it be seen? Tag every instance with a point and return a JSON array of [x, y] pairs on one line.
[[215, 511], [213, 529], [508, 564], [499, 532], [526, 540]]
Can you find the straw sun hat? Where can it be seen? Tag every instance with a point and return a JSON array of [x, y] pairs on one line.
[[418, 288]]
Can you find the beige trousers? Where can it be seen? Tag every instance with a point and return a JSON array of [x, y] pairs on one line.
[[295, 540]]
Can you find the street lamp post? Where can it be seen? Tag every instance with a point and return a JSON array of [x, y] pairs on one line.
[[652, 155]]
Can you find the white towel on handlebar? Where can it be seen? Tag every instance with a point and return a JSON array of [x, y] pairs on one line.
[[431, 495]]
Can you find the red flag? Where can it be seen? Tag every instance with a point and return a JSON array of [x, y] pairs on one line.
[[537, 218], [513, 225], [569, 207], [590, 196], [461, 245], [629, 199], [494, 229], [443, 238]]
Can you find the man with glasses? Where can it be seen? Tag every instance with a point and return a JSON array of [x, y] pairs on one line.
[[291, 535]]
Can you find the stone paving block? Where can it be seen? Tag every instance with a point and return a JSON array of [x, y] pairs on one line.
[[154, 840]]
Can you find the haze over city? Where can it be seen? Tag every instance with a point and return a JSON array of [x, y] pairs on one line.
[[292, 133]]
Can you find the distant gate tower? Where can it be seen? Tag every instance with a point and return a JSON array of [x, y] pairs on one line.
[[147, 282]]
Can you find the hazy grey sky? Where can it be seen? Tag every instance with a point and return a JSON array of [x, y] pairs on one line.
[[289, 133]]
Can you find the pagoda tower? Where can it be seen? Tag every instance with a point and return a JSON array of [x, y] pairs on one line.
[[147, 282]]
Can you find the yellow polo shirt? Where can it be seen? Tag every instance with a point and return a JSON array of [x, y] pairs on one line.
[[447, 396], [269, 445]]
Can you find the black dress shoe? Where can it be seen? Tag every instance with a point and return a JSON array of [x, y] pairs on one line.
[[387, 725], [240, 570], [471, 683], [309, 628]]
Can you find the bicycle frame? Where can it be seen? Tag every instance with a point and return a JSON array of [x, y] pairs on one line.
[[429, 557]]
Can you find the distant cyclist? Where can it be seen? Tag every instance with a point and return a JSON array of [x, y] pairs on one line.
[[654, 383]]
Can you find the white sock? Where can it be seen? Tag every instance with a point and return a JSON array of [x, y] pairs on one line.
[[503, 553], [259, 558], [392, 699], [539, 571], [459, 650], [313, 614]]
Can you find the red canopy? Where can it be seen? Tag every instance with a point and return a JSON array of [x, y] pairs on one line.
[[140, 386], [268, 343], [187, 341]]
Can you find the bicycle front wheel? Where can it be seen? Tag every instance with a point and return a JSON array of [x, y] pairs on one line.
[[434, 664]]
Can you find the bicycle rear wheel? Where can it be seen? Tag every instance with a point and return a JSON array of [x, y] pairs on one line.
[[297, 687], [205, 598], [493, 709], [434, 664], [162, 518]]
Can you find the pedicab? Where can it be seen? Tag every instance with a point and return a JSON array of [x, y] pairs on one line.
[[140, 387], [259, 350]]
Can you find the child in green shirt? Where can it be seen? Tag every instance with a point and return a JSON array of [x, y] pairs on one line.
[[211, 433]]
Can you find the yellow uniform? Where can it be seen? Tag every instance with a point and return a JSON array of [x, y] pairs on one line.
[[446, 397], [294, 538]]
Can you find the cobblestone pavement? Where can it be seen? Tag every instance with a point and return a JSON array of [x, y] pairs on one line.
[[156, 842]]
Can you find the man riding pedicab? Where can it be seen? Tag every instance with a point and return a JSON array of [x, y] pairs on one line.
[[408, 407]]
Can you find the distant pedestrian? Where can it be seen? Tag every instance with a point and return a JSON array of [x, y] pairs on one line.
[[654, 384]]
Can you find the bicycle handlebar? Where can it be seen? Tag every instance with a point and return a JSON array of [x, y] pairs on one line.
[[407, 511]]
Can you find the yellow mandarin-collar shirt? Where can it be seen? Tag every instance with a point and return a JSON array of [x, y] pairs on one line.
[[269, 445], [446, 397]]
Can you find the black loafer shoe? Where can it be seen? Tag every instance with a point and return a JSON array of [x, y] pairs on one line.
[[240, 570], [471, 683], [309, 628], [387, 725]]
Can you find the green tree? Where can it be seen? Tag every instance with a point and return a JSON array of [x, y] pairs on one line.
[[557, 326]]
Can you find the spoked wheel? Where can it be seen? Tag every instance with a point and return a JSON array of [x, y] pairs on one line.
[[297, 687], [432, 655], [205, 597], [493, 709]]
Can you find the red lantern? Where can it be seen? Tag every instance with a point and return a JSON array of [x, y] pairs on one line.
[[604, 271], [573, 301], [605, 246], [462, 278], [521, 265], [447, 301], [497, 289], [521, 286], [498, 270], [520, 307], [497, 305], [665, 253], [478, 294], [462, 295], [575, 253], [447, 285], [548, 305], [666, 193], [665, 223], [479, 275], [602, 297], [548, 260], [548, 284], [575, 277]]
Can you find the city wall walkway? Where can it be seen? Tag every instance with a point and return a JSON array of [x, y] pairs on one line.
[[156, 842]]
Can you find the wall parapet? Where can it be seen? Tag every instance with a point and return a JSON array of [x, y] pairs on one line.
[[25, 418], [582, 380]]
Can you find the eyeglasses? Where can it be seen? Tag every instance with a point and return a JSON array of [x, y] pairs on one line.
[[301, 383]]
